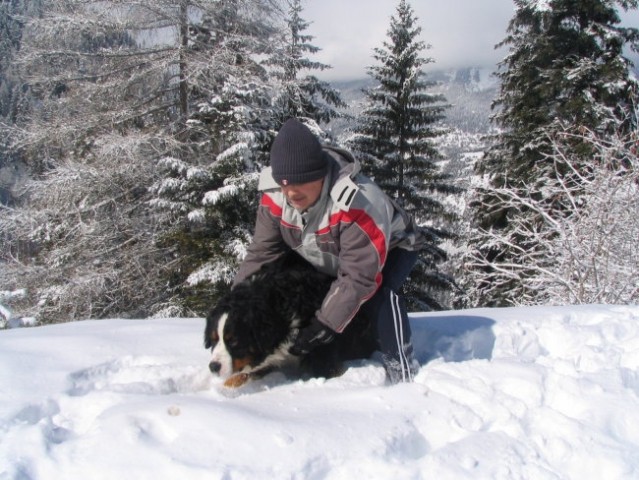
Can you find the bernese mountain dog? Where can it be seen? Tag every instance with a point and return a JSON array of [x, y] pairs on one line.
[[251, 329]]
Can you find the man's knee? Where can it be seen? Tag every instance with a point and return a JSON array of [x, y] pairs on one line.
[[386, 311]]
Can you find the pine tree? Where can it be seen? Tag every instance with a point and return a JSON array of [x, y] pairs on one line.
[[395, 139], [565, 70], [301, 96]]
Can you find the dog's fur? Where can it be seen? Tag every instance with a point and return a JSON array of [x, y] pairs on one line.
[[251, 329]]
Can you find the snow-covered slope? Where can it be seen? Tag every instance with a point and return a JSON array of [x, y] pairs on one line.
[[520, 393]]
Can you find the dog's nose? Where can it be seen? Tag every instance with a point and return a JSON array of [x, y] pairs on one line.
[[215, 367]]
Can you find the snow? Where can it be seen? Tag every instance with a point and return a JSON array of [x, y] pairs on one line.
[[541, 5], [517, 393]]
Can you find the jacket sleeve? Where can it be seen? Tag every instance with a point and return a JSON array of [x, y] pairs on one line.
[[267, 244], [363, 250]]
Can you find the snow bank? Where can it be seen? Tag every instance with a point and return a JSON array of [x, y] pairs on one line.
[[521, 393]]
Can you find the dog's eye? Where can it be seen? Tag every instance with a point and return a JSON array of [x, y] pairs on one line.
[[235, 347]]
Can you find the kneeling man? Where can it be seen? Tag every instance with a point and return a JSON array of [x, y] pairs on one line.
[[316, 202]]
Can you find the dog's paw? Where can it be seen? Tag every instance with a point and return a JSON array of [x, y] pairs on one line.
[[237, 380]]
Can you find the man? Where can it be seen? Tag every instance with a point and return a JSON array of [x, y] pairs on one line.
[[316, 202]]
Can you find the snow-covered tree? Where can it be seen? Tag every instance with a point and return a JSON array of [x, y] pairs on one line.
[[565, 69], [211, 206], [212, 201], [394, 138], [12, 95], [300, 94], [585, 251], [84, 245], [98, 66], [117, 85], [10, 33]]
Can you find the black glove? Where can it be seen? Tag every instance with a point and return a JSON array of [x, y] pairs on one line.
[[311, 337]]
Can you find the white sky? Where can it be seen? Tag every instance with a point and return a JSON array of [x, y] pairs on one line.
[[461, 32]]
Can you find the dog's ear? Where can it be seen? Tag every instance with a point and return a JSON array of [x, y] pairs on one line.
[[270, 331], [207, 338], [210, 330], [266, 338]]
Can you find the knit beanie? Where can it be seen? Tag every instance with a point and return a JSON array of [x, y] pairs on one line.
[[296, 155]]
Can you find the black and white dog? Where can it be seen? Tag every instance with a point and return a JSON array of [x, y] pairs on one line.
[[251, 329]]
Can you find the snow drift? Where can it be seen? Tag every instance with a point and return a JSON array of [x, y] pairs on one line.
[[518, 393]]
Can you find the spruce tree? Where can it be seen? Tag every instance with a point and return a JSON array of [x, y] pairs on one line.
[[298, 94], [209, 196], [565, 70], [395, 140], [211, 206]]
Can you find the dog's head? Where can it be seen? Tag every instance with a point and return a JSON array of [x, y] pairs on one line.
[[243, 330]]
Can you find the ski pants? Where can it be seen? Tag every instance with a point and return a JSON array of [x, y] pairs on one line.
[[387, 313]]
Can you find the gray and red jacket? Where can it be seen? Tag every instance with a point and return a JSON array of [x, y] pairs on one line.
[[347, 234]]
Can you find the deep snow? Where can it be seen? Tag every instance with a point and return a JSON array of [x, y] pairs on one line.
[[519, 393]]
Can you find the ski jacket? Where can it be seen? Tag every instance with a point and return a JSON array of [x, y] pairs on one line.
[[347, 234]]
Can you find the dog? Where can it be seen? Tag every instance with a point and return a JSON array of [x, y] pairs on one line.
[[251, 328]]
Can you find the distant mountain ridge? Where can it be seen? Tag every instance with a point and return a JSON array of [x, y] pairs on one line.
[[470, 92]]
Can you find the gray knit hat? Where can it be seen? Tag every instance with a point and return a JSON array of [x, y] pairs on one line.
[[296, 155]]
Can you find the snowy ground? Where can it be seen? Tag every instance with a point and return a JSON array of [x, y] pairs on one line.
[[521, 393]]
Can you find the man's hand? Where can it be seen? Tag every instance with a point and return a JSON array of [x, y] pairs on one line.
[[311, 337]]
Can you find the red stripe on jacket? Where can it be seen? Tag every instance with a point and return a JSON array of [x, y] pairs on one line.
[[368, 226], [357, 216], [275, 209]]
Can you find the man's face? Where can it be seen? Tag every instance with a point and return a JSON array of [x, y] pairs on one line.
[[303, 195]]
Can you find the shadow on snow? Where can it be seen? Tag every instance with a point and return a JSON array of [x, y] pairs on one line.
[[455, 338]]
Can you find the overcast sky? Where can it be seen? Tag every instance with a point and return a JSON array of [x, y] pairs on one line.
[[460, 32]]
